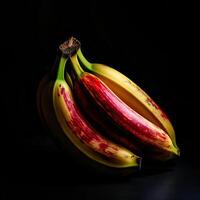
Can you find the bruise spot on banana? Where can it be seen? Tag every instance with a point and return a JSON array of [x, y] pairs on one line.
[[152, 103]]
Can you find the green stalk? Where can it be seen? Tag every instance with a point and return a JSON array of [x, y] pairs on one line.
[[84, 61], [69, 80], [61, 68], [77, 68]]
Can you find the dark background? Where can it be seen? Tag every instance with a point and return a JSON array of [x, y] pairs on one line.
[[142, 39]]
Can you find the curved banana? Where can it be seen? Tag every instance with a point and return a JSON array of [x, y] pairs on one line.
[[97, 117], [80, 132], [120, 113], [130, 93]]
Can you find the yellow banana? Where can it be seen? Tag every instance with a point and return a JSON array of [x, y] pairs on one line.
[[130, 93], [88, 140]]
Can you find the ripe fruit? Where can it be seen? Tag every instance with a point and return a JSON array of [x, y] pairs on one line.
[[126, 118], [102, 114], [130, 93], [81, 133]]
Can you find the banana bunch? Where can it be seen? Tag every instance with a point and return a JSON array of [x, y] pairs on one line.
[[103, 114]]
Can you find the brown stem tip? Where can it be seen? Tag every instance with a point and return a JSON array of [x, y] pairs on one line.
[[70, 47]]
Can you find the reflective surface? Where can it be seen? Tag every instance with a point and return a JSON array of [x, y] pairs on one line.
[[49, 175]]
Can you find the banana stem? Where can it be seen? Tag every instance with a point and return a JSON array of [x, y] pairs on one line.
[[69, 80], [84, 61], [77, 68], [61, 68]]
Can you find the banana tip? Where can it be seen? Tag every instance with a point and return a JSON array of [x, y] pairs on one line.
[[176, 151]]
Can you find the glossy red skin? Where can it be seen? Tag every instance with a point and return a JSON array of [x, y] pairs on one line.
[[97, 116], [82, 129], [123, 115]]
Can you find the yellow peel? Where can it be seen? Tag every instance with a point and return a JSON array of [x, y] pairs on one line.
[[134, 96]]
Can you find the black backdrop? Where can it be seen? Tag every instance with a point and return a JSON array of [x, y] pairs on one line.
[[142, 39]]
